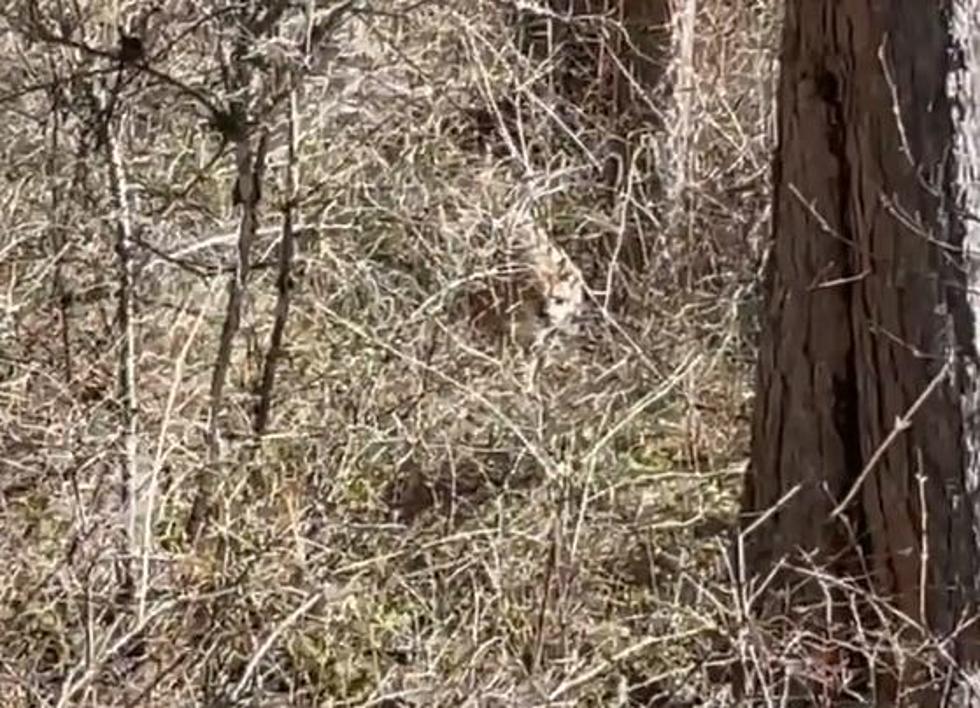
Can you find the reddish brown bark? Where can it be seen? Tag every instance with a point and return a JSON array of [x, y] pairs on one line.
[[867, 303]]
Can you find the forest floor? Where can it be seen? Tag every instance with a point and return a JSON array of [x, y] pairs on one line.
[[438, 514]]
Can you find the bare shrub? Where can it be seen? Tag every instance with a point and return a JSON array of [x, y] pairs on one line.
[[505, 432]]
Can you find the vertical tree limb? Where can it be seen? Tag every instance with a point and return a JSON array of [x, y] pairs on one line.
[[126, 371], [62, 289], [251, 165], [284, 275]]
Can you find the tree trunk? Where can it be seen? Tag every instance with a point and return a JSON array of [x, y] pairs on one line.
[[868, 366]]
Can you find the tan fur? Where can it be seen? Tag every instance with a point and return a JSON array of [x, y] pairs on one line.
[[543, 295]]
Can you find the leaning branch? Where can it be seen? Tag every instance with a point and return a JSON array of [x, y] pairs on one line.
[[902, 424], [284, 277]]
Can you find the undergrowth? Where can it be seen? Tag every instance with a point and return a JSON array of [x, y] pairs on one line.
[[435, 515]]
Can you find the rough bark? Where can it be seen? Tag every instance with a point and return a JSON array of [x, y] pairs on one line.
[[869, 302]]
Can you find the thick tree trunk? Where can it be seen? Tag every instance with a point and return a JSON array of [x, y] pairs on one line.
[[871, 317]]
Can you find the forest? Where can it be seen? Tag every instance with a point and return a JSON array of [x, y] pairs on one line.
[[488, 353]]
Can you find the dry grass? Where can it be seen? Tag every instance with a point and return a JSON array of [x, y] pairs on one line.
[[437, 516]]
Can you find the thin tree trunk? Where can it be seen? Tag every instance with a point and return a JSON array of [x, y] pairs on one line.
[[250, 166], [126, 381], [235, 124], [59, 241], [284, 276], [683, 99], [866, 450]]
